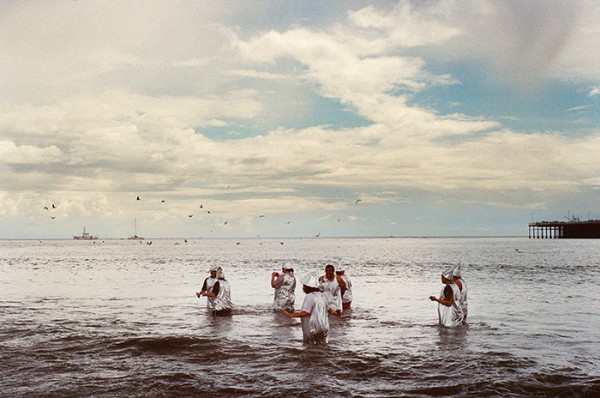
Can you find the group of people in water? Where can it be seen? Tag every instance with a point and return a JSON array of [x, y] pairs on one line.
[[328, 294]]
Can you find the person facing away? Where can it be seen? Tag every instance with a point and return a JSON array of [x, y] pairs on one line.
[[450, 312], [332, 286], [313, 314], [221, 295], [462, 286], [207, 286], [285, 287], [345, 291]]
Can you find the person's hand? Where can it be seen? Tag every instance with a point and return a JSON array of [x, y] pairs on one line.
[[432, 298]]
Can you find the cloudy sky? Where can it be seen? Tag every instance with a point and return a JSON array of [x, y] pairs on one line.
[[284, 118]]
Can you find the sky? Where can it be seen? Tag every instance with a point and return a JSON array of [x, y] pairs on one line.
[[297, 119]]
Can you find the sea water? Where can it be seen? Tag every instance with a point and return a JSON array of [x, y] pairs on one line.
[[121, 318]]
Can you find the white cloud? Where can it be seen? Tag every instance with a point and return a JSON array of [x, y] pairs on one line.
[[105, 105]]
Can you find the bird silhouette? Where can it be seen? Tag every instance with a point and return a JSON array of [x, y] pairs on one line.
[[190, 215], [53, 217], [201, 206], [225, 223], [208, 211], [358, 200], [138, 198], [46, 207], [54, 207], [262, 215], [162, 201], [288, 222], [317, 235]]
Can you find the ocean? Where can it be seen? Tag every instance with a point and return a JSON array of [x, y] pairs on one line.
[[120, 318]]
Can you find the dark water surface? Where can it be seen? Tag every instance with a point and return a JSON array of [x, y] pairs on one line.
[[120, 318]]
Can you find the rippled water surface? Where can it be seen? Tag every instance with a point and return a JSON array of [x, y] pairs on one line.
[[120, 318]]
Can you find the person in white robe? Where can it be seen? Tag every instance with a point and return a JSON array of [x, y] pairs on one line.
[[314, 312], [285, 287], [207, 286], [450, 312], [332, 286]]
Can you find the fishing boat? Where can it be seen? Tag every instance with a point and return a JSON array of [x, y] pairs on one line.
[[85, 236], [135, 235]]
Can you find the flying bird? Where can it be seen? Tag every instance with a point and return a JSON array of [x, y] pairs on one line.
[[317, 235], [53, 217], [201, 206], [208, 211], [262, 215], [190, 215], [162, 201], [46, 207], [138, 198], [54, 207], [225, 223], [281, 243], [358, 200], [288, 222]]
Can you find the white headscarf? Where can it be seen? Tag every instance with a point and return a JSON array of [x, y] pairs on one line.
[[310, 280], [456, 271], [220, 273], [448, 273]]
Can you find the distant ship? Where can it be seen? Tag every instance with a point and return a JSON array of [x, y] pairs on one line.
[[85, 236], [135, 235]]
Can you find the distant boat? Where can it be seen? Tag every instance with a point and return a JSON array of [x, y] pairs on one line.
[[135, 235], [85, 236]]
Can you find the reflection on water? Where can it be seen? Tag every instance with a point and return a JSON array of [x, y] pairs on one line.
[[116, 319]]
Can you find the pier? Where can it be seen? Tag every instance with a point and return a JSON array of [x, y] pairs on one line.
[[565, 229]]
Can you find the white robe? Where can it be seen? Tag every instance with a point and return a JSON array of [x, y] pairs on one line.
[[315, 327], [223, 299], [284, 293], [333, 293], [453, 315]]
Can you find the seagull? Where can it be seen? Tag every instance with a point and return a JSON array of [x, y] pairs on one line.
[[281, 243], [53, 217], [138, 198], [46, 207], [262, 215], [201, 206], [317, 235], [358, 200], [54, 207], [162, 201], [208, 211], [225, 223], [288, 222], [190, 215]]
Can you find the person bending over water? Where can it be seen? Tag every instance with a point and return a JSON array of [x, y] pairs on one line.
[[221, 294], [285, 287], [332, 285], [450, 311], [313, 314]]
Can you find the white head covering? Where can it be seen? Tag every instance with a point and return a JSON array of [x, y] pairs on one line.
[[310, 280], [220, 273], [456, 271], [288, 266], [214, 268], [448, 273]]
